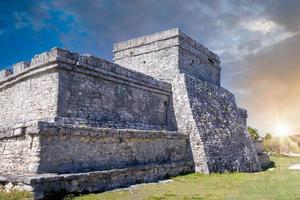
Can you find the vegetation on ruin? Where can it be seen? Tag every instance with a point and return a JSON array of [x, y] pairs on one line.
[[253, 132], [277, 183]]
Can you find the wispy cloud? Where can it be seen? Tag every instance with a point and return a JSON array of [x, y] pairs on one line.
[[261, 25], [271, 80], [257, 40]]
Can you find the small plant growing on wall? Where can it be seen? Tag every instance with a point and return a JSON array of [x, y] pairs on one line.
[[253, 133]]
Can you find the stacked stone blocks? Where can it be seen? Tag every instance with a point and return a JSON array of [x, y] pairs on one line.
[[203, 109], [70, 115], [75, 123]]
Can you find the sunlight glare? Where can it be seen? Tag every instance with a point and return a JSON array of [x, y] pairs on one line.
[[282, 130]]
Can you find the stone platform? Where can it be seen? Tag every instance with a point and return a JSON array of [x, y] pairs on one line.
[[263, 157], [45, 185], [264, 160], [50, 147], [50, 157]]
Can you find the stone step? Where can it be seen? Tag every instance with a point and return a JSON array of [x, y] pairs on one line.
[[45, 185]]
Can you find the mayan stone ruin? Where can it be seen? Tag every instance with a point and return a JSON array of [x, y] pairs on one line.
[[77, 123]]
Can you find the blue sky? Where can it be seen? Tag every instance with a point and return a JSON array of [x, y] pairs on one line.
[[258, 41]]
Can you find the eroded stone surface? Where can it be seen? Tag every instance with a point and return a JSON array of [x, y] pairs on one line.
[[85, 90], [95, 125], [57, 148], [96, 181], [205, 111], [263, 157]]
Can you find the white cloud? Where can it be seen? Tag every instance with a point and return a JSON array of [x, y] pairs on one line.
[[261, 25]]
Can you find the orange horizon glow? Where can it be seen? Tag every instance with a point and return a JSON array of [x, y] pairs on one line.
[[282, 129]]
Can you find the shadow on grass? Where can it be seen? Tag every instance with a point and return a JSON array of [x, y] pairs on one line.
[[272, 164]]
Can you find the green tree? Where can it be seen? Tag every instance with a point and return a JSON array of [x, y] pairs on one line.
[[268, 136], [253, 132]]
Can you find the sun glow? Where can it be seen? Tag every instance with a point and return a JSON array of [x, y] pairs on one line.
[[282, 130]]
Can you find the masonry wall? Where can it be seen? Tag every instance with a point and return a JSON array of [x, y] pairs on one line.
[[205, 111], [85, 90], [19, 153], [194, 62], [28, 98], [96, 149], [258, 146], [53, 148], [148, 55], [104, 94], [227, 144], [81, 95], [149, 58], [113, 103], [47, 185]]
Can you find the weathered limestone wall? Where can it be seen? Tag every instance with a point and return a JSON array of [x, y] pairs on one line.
[[112, 103], [102, 149], [109, 95], [73, 114], [263, 157], [204, 110], [45, 185], [259, 146], [197, 61], [264, 161], [28, 98], [186, 123], [227, 144], [84, 90], [44, 147], [5, 73], [149, 56], [184, 55], [19, 153]]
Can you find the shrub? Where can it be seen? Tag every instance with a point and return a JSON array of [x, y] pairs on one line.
[[280, 145], [253, 132]]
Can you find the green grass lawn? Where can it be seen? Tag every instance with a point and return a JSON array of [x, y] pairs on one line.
[[279, 183], [14, 195]]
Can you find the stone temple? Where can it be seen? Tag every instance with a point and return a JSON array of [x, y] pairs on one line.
[[77, 123]]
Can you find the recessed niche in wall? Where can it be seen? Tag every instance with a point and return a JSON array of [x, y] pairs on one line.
[[211, 61]]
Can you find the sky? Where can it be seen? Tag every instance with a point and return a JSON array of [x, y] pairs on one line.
[[258, 42]]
